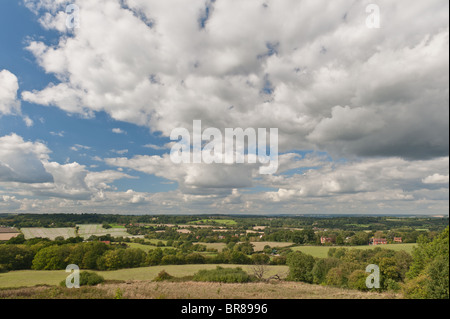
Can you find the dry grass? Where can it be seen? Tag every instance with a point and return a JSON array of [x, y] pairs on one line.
[[202, 290], [196, 290], [8, 236], [259, 245]]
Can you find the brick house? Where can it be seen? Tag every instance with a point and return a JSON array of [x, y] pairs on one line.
[[324, 240], [378, 241]]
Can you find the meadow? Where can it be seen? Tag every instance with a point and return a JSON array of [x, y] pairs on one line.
[[51, 233], [29, 278], [225, 222], [88, 230], [322, 251]]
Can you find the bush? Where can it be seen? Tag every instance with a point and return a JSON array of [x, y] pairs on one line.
[[87, 278], [3, 268], [163, 275], [322, 267], [226, 275], [415, 288], [278, 260], [336, 278], [357, 280], [300, 267]]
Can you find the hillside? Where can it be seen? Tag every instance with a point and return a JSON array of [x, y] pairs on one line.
[[194, 290]]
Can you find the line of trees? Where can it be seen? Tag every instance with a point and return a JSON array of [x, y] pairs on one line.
[[43, 254]]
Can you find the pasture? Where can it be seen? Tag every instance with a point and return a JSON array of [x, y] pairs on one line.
[[88, 230], [51, 233], [225, 222], [322, 251], [259, 245], [29, 278], [146, 248]]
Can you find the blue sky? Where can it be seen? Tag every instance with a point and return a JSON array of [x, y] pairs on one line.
[[95, 133], [86, 114]]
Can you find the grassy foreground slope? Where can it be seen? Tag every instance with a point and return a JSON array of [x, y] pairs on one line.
[[29, 278], [194, 290]]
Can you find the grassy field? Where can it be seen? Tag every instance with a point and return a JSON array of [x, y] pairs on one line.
[[146, 247], [86, 231], [29, 278], [225, 222], [195, 290], [218, 246], [322, 251], [259, 245], [51, 233], [137, 283]]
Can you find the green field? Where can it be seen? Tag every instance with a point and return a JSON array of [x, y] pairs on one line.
[[88, 230], [322, 251], [146, 247], [29, 278], [84, 231], [51, 233], [218, 246], [225, 222], [259, 245]]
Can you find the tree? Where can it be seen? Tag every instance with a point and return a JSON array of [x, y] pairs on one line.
[[300, 266], [52, 258], [321, 269], [260, 259], [14, 257], [357, 280], [428, 276]]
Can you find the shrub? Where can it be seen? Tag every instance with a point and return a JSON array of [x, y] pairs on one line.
[[357, 280], [163, 275], [336, 277], [226, 275], [278, 260], [300, 267], [87, 278], [415, 288]]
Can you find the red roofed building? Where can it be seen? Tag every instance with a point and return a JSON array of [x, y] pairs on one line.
[[324, 240], [378, 241], [397, 239]]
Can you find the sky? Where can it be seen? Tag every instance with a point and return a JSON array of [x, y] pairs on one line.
[[91, 90]]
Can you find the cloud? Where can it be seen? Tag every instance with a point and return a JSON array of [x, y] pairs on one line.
[[191, 178], [157, 147], [9, 104], [21, 161], [375, 101], [120, 152], [326, 82], [28, 122], [78, 147], [436, 179], [60, 134], [118, 131]]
